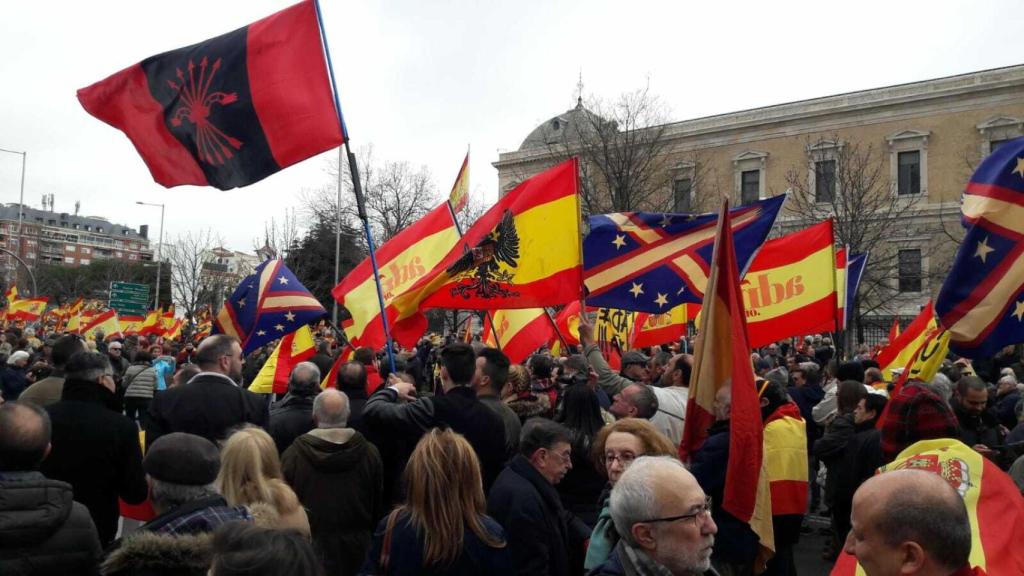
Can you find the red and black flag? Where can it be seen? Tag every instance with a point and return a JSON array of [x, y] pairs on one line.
[[231, 110]]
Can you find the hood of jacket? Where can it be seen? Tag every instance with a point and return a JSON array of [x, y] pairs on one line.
[[32, 507], [327, 456]]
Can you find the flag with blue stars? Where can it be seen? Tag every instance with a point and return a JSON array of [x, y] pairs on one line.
[[267, 305], [653, 262], [982, 299]]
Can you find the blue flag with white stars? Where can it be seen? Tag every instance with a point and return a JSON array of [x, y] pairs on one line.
[[267, 305], [982, 299], [652, 262]]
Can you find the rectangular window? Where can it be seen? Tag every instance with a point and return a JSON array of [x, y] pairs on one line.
[[681, 190], [69, 260], [824, 181], [994, 144], [909, 172], [86, 250], [910, 270], [750, 186], [84, 261], [69, 248]]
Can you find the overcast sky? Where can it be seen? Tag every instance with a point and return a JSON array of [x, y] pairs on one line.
[[422, 80]]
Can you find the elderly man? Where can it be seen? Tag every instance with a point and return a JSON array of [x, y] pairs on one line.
[[292, 416], [635, 401], [664, 519], [48, 390], [910, 522], [211, 403], [338, 477], [181, 470]]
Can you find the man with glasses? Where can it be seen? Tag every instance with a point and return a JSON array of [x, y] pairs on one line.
[[213, 401], [543, 538], [664, 519]]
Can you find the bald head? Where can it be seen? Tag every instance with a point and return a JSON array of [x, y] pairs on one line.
[[331, 409], [352, 376], [24, 436], [304, 379], [909, 521]]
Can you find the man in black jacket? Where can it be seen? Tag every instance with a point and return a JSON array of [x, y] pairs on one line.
[[43, 530], [211, 403], [292, 416], [457, 408], [95, 448], [543, 538]]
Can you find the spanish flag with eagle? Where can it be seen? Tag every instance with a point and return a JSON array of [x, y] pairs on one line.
[[524, 252]]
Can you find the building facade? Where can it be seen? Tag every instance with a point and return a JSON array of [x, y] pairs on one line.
[[67, 239], [919, 142]]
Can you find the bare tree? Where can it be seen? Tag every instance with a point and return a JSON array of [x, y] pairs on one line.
[[849, 181], [279, 237], [622, 147], [196, 278], [397, 194]]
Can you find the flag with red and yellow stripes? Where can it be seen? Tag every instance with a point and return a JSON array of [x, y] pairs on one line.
[[518, 333], [522, 253], [130, 325], [901, 351], [26, 309], [294, 347], [402, 261], [994, 504], [153, 324], [460, 190], [722, 354], [106, 322], [656, 329], [790, 288]]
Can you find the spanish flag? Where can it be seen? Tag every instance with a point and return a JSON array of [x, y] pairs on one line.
[[27, 309], [894, 330], [174, 332], [791, 287], [167, 319], [293, 348], [722, 353], [402, 261], [655, 329], [105, 322], [130, 325], [901, 351], [518, 333], [567, 322], [523, 253], [994, 504], [460, 190], [152, 326]]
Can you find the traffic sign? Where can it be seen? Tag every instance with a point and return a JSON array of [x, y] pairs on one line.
[[128, 298]]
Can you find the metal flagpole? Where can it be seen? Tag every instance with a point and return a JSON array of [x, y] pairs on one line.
[[357, 190]]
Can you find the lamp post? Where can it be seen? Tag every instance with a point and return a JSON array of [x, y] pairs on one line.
[[21, 200], [159, 248]]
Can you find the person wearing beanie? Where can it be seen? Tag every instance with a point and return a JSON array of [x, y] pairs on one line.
[[14, 378], [180, 469]]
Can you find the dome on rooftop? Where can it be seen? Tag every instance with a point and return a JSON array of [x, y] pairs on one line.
[[568, 125]]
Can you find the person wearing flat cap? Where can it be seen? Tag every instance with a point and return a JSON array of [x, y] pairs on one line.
[[181, 469]]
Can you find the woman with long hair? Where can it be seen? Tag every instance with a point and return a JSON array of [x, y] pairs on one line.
[[582, 485], [250, 472], [615, 448], [442, 527]]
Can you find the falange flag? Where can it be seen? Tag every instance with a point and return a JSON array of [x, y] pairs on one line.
[[982, 300], [267, 305], [653, 262]]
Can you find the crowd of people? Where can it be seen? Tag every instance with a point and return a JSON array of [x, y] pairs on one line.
[[453, 460]]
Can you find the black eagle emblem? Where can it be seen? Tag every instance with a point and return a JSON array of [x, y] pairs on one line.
[[482, 264]]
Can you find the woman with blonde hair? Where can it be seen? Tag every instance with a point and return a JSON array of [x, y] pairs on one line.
[[250, 472], [615, 448], [520, 398], [442, 527]]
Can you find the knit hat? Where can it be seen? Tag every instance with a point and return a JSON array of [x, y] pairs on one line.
[[182, 458], [916, 413]]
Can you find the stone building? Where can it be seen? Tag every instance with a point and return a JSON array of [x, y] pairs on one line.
[[918, 143]]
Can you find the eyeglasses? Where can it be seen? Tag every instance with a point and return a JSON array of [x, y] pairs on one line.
[[565, 456], [624, 459], [701, 514]]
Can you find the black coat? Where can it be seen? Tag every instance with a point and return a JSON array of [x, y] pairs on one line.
[[406, 553], [341, 486], [735, 543], [97, 451], [323, 362], [13, 381], [861, 456], [209, 405], [290, 417], [543, 538], [42, 531], [458, 409]]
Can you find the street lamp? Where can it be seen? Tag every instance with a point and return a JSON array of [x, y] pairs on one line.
[[21, 198], [159, 247]]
